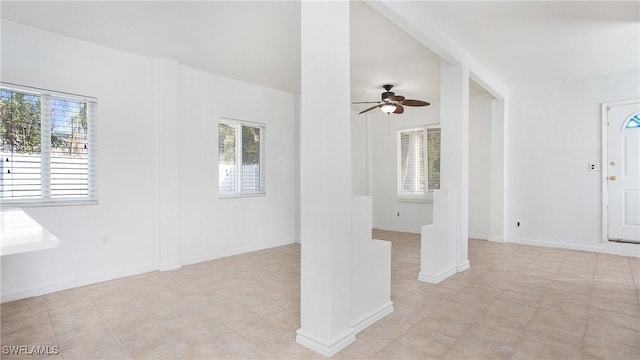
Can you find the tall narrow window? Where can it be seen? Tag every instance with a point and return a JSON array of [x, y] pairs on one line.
[[418, 162], [47, 147], [240, 158]]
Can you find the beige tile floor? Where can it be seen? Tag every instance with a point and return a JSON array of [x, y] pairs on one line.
[[516, 302]]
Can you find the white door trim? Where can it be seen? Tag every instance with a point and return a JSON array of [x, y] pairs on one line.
[[605, 158]]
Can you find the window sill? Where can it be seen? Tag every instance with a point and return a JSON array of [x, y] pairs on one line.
[[243, 195], [44, 203], [416, 199]]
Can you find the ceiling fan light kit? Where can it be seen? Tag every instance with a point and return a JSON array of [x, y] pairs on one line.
[[388, 108], [391, 103]]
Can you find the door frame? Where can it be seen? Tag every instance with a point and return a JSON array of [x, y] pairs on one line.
[[604, 167]]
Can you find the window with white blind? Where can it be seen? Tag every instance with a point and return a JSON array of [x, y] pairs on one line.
[[47, 147], [241, 158], [418, 162]]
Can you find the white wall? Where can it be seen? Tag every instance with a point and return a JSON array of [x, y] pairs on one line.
[[384, 181], [126, 86], [123, 84], [359, 154], [552, 134], [211, 227], [479, 165]]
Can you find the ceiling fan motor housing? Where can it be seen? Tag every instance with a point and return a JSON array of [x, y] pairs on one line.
[[387, 93], [391, 103]]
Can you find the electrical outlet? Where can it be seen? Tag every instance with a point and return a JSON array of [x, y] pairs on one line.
[[594, 167], [398, 214], [518, 224]]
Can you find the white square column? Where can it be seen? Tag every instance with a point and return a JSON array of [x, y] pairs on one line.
[[325, 185], [497, 202], [454, 156]]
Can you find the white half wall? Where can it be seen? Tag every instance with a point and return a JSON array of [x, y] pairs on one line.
[[552, 135], [437, 250], [370, 269]]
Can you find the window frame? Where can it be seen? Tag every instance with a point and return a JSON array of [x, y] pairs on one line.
[[427, 197], [238, 125], [45, 199]]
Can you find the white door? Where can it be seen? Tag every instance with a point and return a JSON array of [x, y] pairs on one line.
[[623, 171]]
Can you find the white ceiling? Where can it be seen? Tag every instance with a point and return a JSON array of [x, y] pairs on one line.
[[413, 69], [521, 43], [534, 43], [258, 42]]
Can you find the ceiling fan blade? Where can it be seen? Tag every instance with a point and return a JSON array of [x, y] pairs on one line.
[[366, 102], [399, 110], [369, 109], [410, 102], [396, 98]]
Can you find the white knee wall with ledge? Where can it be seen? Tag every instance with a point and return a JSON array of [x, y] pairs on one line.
[[438, 241]]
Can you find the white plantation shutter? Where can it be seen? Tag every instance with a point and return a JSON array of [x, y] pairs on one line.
[[253, 169], [418, 162], [227, 158], [412, 162], [69, 163], [63, 169], [20, 171], [93, 151]]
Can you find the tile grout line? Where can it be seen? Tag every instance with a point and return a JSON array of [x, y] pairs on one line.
[[633, 280], [105, 323], [53, 329], [521, 338], [544, 293], [586, 325], [484, 312]]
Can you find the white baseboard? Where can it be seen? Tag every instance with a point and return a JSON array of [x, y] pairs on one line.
[[558, 245], [377, 314], [236, 251], [606, 247], [68, 284], [170, 266], [478, 237], [82, 281], [463, 266], [326, 347], [496, 239], [435, 279], [398, 229]]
